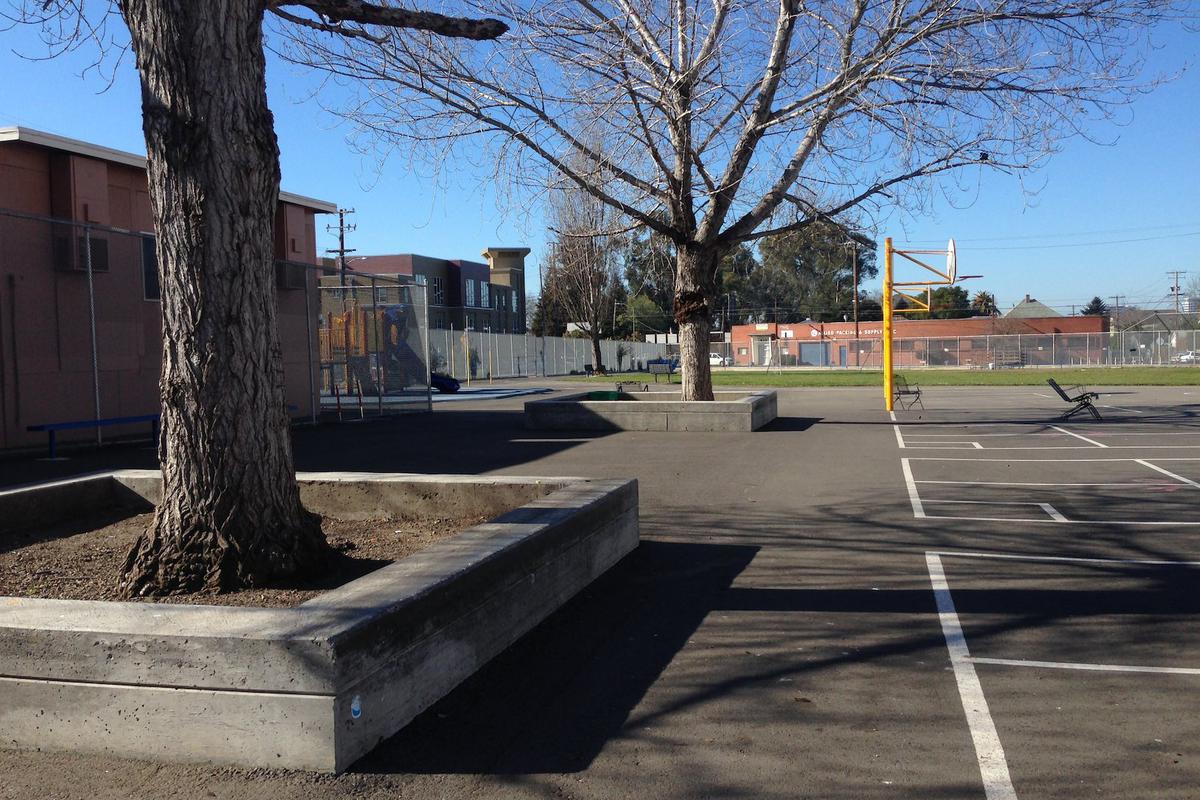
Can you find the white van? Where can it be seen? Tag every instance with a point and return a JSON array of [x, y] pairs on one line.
[[718, 360]]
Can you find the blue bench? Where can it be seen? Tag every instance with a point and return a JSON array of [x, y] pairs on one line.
[[51, 428]]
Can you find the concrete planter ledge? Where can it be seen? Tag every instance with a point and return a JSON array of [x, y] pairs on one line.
[[315, 686], [654, 411]]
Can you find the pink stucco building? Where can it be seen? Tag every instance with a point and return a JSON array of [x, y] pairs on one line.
[[63, 201]]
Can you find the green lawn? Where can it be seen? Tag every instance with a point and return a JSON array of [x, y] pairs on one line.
[[1095, 376]]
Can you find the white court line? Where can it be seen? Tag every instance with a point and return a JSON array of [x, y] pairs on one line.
[[1074, 447], [1169, 474], [1077, 436], [1121, 408], [944, 445], [1069, 522], [1180, 523], [899, 437], [984, 435], [997, 519], [988, 502], [1020, 662], [1045, 460], [913, 496], [993, 768], [1068, 559], [1053, 512], [1106, 433], [893, 415], [1050, 510], [1014, 483]]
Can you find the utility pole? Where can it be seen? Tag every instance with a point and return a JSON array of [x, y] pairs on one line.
[[341, 251], [342, 228], [1116, 322], [857, 346], [1176, 287]]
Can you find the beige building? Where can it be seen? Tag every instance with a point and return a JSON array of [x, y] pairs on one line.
[[462, 294]]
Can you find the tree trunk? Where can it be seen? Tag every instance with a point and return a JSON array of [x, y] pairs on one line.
[[230, 514], [597, 358], [695, 288]]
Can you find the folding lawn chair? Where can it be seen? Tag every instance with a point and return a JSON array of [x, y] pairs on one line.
[[902, 390], [1077, 395]]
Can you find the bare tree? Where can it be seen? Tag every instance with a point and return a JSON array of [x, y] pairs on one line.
[[583, 268], [230, 514], [715, 122]]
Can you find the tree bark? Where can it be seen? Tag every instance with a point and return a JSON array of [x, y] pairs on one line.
[[230, 514], [695, 288], [597, 358]]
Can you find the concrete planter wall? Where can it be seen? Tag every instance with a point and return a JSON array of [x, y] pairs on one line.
[[319, 685], [654, 411]]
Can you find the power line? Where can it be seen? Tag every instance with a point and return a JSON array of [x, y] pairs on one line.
[[1176, 288], [1089, 244], [1064, 235]]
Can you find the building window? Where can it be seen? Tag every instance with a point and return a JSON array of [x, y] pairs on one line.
[[420, 280], [150, 269], [439, 291], [381, 295], [514, 301], [742, 351], [470, 301], [485, 300]]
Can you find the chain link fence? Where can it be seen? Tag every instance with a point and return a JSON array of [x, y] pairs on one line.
[[1117, 348], [373, 346], [81, 330], [481, 355], [81, 337]]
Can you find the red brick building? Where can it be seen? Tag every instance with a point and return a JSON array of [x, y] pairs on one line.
[[52, 189], [974, 341]]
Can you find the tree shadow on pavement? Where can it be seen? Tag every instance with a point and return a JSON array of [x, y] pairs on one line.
[[551, 701]]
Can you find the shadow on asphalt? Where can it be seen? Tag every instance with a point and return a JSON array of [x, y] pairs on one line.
[[550, 702], [456, 442], [790, 424]]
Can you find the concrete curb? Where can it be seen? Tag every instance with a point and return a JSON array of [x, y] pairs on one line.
[[731, 411], [319, 685]]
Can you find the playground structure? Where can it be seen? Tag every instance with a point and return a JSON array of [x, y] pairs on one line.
[[373, 350]]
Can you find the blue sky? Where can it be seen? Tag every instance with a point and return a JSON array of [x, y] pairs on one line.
[[1106, 219]]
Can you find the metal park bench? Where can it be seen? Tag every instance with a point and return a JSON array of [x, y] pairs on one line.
[[661, 369], [901, 390], [1082, 399], [632, 386], [51, 428]]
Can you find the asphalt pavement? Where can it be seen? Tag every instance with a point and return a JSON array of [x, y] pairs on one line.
[[842, 605]]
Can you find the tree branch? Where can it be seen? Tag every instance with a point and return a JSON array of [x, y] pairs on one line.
[[337, 11]]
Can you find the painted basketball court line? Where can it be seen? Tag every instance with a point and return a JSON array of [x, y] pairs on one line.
[[1051, 514], [993, 764], [989, 750], [965, 439]]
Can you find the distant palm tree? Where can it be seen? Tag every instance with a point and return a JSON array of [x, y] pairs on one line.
[[984, 304]]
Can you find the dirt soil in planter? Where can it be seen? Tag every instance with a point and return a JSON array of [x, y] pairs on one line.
[[81, 560]]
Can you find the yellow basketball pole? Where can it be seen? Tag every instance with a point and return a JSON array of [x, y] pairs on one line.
[[887, 324]]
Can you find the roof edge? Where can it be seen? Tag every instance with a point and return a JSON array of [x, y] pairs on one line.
[[17, 133]]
